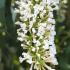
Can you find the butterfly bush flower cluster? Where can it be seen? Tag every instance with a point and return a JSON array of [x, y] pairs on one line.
[[36, 32]]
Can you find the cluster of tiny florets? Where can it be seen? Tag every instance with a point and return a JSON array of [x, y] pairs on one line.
[[36, 32]]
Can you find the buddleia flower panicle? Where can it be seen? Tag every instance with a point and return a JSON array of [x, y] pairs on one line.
[[36, 32]]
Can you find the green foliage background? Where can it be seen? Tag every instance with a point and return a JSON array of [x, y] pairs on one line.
[[10, 48]]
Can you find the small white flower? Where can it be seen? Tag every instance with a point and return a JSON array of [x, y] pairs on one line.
[[50, 20], [46, 44], [52, 50], [41, 37], [54, 60], [20, 39], [43, 25], [18, 23], [29, 61], [51, 40], [50, 8], [41, 30], [22, 45], [49, 26], [23, 18], [56, 6], [53, 27], [52, 1], [38, 43], [23, 25], [34, 40], [16, 10], [33, 49], [33, 30], [27, 57], [21, 59], [50, 14], [37, 9], [53, 33], [20, 34], [25, 31], [28, 42], [44, 2]]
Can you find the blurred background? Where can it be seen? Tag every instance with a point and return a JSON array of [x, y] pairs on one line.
[[10, 49]]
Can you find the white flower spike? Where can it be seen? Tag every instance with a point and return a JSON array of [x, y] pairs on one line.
[[36, 32]]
